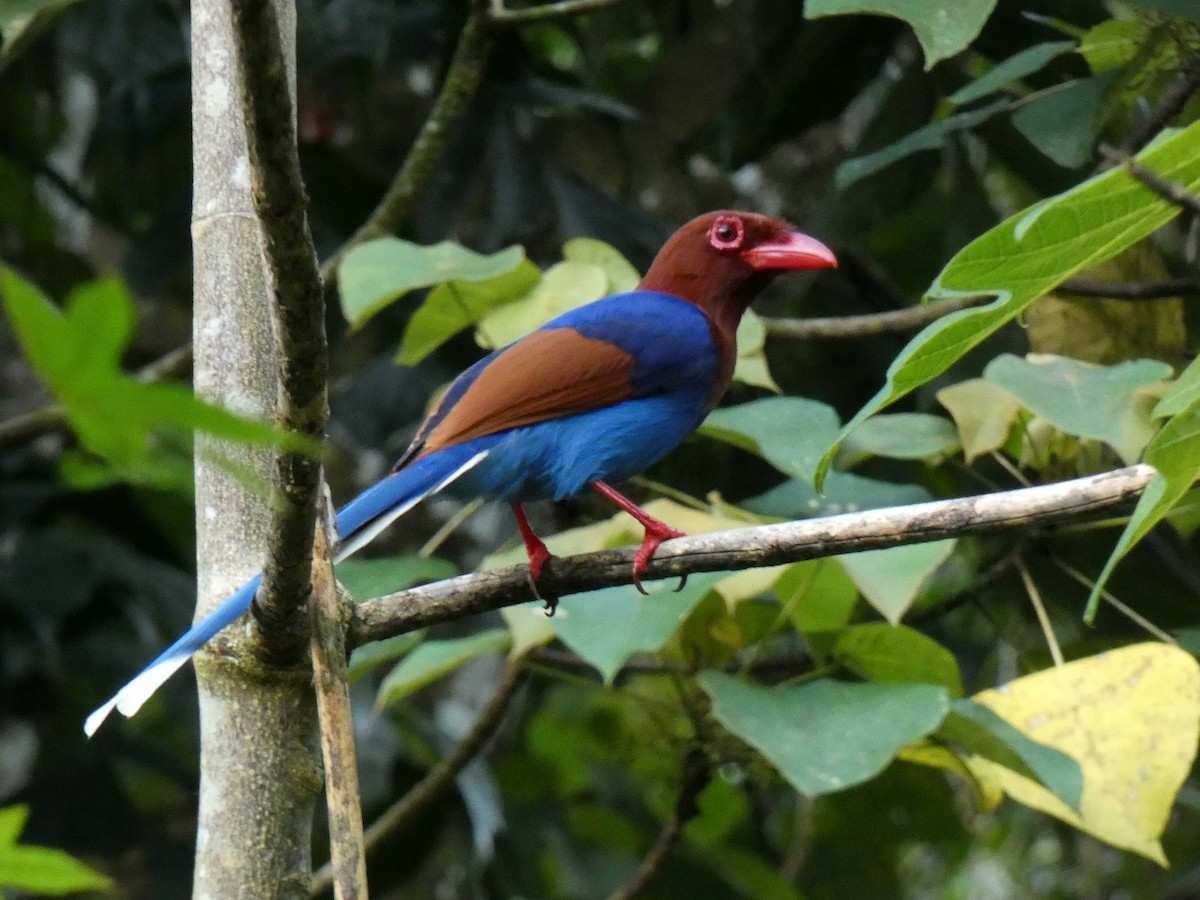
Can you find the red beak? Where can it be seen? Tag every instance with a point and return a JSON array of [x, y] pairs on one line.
[[792, 252]]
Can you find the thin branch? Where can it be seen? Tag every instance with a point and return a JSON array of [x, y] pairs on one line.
[[462, 81], [1039, 608], [1130, 290], [499, 15], [754, 546], [1171, 191], [1132, 614], [348, 857], [298, 319], [1174, 99], [441, 777], [788, 664], [908, 319], [696, 774]]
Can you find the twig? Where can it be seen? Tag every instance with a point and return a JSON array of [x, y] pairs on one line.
[[499, 15], [1039, 608], [566, 661], [1130, 290], [908, 319], [754, 546], [463, 77], [441, 777], [1174, 99], [696, 775], [298, 320], [328, 646], [1125, 610], [1171, 191]]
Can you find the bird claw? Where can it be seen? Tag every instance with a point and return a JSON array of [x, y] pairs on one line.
[[549, 604], [656, 533]]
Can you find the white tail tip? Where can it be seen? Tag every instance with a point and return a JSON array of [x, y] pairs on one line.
[[131, 697]]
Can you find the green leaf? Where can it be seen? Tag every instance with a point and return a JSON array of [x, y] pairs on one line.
[[900, 436], [1017, 66], [942, 28], [1063, 122], [374, 274], [979, 730], [982, 411], [454, 305], [931, 137], [892, 578], [897, 654], [376, 653], [1086, 400], [818, 594], [843, 492], [563, 287], [434, 659], [622, 276], [40, 870], [608, 626], [788, 432], [825, 736], [751, 365], [42, 330], [1030, 254], [1183, 393], [1113, 43], [367, 578], [1175, 453]]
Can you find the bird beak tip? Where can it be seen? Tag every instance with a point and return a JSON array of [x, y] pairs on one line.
[[796, 252]]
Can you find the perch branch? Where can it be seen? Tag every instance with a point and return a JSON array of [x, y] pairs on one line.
[[754, 546], [499, 15], [441, 777], [298, 320]]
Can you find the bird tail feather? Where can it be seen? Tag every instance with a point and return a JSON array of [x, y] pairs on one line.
[[359, 521]]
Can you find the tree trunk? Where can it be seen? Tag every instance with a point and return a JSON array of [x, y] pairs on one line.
[[260, 772]]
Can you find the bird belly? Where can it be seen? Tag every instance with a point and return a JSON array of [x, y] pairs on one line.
[[558, 458]]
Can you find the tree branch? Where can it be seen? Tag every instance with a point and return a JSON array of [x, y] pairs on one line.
[[1174, 99], [463, 77], [441, 777], [1171, 191], [1130, 290], [696, 775], [298, 320], [908, 319], [347, 852], [743, 548]]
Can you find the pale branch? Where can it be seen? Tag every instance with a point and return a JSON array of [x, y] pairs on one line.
[[347, 852], [298, 318], [1171, 191], [837, 327], [463, 77], [751, 547], [697, 771], [501, 15], [441, 777]]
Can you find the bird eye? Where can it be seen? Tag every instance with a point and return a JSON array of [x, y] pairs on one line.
[[727, 233]]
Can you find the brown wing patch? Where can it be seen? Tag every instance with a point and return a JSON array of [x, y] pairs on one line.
[[547, 375]]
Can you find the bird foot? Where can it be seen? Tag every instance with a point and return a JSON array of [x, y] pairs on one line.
[[539, 555], [656, 533]]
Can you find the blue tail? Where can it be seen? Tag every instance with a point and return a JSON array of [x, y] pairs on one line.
[[358, 522]]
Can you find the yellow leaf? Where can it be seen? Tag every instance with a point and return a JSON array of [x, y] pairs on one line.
[[1131, 717], [621, 529]]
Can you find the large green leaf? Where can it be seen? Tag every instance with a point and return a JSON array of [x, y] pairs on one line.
[[40, 870], [1106, 403], [1175, 453], [608, 626], [897, 654], [374, 274], [435, 659], [788, 432], [563, 287], [976, 728], [826, 736], [457, 304], [1063, 122], [133, 430], [1017, 66], [892, 578], [931, 137], [901, 436], [942, 28], [367, 578], [1030, 254]]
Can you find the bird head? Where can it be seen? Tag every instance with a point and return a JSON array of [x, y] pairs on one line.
[[722, 260]]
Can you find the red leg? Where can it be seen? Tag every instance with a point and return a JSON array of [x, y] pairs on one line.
[[538, 554], [656, 531]]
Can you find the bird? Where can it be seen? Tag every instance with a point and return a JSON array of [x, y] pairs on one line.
[[594, 396]]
